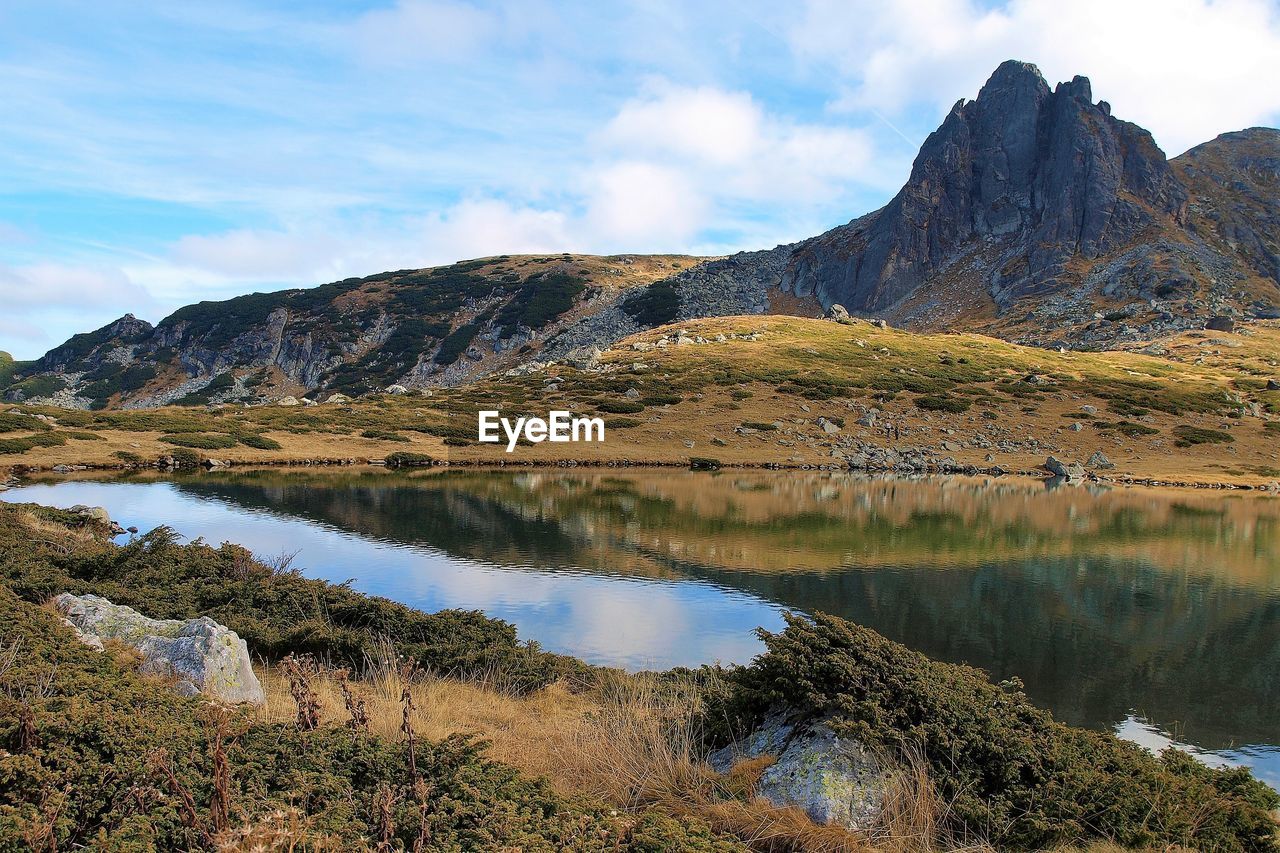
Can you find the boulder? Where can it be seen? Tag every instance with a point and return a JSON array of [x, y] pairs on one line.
[[1220, 324], [202, 655], [1058, 468], [837, 312], [338, 398], [397, 389], [1273, 384], [288, 400], [829, 427], [832, 779], [631, 394], [1100, 460]]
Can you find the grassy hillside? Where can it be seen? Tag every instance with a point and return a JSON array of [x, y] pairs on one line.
[[750, 390]]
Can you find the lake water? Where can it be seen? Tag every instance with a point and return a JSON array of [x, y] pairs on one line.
[[1153, 614]]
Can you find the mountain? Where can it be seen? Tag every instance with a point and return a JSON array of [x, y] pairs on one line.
[[1035, 215], [438, 326], [1031, 214]]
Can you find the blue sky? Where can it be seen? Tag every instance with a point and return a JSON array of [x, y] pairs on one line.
[[157, 154]]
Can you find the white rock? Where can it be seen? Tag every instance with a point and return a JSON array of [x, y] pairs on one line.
[[209, 657]]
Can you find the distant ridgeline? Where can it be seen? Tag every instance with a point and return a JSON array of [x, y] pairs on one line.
[[1031, 214]]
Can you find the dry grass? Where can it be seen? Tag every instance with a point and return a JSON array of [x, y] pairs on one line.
[[631, 742]]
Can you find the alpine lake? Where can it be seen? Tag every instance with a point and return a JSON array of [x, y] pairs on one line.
[[1153, 614]]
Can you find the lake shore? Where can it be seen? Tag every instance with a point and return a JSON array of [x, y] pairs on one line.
[[601, 739]]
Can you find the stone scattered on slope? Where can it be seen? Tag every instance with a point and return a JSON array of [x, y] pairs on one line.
[[1100, 460], [1058, 468], [204, 656], [832, 779]]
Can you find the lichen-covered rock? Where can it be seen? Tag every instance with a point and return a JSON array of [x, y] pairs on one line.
[[204, 656], [832, 779]]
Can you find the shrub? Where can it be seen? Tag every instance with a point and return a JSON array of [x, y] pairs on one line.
[[276, 613], [456, 343], [14, 422], [201, 440], [101, 738], [1009, 771], [619, 407], [622, 423], [942, 403], [1188, 436], [22, 445], [401, 459], [127, 456], [259, 442], [760, 425], [655, 305], [384, 435]]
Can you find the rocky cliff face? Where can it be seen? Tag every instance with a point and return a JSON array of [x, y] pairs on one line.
[[1027, 177]]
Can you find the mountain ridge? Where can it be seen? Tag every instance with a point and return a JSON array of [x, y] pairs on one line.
[[1031, 214]]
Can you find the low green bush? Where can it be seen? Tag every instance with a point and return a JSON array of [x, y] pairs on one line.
[[942, 403], [274, 612], [759, 425], [1188, 436], [1007, 770], [619, 407], [259, 442], [622, 423], [14, 422], [384, 435], [25, 443], [201, 440], [402, 459]]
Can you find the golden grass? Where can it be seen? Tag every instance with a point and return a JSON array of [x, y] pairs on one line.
[[631, 742]]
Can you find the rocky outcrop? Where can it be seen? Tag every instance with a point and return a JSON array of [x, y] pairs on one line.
[[832, 779], [1025, 176], [203, 656]]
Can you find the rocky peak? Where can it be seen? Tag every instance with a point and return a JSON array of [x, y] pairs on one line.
[[1025, 176]]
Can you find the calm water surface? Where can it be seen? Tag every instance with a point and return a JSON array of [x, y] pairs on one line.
[[1156, 615]]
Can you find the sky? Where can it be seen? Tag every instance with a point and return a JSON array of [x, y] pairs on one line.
[[157, 154]]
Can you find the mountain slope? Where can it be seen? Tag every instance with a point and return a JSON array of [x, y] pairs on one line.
[[439, 326]]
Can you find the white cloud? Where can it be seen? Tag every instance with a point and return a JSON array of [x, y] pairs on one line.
[[635, 204], [1185, 69], [61, 285], [421, 31], [729, 145]]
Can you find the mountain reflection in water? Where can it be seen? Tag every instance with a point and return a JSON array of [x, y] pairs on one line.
[[1149, 611]]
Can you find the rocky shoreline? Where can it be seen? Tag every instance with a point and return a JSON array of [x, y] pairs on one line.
[[912, 468]]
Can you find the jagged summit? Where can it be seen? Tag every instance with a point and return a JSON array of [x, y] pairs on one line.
[[1019, 180]]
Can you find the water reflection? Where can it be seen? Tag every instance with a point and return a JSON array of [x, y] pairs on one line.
[[1112, 606]]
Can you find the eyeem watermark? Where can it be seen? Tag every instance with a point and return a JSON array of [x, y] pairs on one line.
[[557, 426]]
